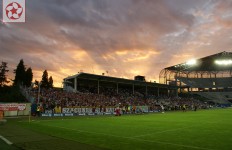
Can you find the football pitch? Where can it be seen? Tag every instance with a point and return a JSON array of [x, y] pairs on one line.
[[200, 130]]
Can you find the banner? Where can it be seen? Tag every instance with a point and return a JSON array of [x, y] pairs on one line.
[[87, 110], [108, 110], [57, 115], [12, 107]]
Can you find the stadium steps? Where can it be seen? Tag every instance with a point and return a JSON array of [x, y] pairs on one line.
[[217, 97]]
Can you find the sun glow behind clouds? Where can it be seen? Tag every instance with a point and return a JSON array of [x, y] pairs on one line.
[[224, 62], [111, 36]]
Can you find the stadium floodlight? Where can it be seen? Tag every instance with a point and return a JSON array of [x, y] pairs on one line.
[[223, 62], [191, 62]]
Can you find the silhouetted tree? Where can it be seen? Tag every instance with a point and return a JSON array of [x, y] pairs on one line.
[[19, 73], [3, 76], [44, 81], [28, 77], [36, 83], [50, 82]]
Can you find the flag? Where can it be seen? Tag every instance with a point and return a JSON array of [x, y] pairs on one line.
[[14, 11]]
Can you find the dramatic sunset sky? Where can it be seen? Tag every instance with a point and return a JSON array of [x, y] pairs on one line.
[[124, 37]]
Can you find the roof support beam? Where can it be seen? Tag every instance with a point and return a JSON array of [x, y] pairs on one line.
[[146, 90], [158, 91], [75, 83], [98, 86], [133, 88]]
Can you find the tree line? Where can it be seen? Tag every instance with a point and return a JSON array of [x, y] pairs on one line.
[[24, 76]]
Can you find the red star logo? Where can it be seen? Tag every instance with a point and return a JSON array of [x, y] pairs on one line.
[[12, 11]]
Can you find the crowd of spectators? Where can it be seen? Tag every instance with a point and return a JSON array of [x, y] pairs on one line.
[[51, 98]]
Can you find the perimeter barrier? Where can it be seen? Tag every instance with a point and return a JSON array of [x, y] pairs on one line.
[[15, 109], [90, 111]]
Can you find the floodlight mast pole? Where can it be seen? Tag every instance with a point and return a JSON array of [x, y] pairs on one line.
[[39, 92]]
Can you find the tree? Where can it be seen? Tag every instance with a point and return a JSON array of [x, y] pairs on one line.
[[44, 81], [50, 82], [3, 76], [28, 77], [19, 73], [36, 83]]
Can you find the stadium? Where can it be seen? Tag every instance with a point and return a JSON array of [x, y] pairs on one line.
[[115, 75], [186, 110], [209, 77]]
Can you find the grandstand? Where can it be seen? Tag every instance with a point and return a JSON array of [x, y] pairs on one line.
[[210, 77], [98, 82]]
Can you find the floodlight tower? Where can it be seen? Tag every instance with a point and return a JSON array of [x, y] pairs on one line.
[[184, 67], [225, 63]]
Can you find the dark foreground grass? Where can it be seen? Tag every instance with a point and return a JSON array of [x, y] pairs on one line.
[[203, 130]]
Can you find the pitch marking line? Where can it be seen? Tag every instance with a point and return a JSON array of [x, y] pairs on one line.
[[5, 140], [180, 145], [160, 132]]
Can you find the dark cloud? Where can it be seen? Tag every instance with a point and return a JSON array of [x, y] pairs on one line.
[[88, 34]]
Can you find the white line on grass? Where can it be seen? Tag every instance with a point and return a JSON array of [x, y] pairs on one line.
[[5, 140], [62, 118], [133, 138], [160, 132], [180, 145]]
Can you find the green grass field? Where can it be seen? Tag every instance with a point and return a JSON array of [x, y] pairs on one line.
[[204, 129]]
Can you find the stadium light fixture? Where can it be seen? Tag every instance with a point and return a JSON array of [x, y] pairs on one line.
[[223, 62], [191, 62]]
